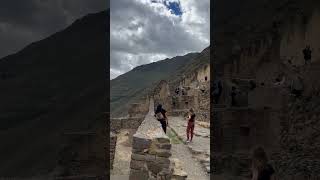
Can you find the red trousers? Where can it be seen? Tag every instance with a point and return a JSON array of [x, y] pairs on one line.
[[190, 129]]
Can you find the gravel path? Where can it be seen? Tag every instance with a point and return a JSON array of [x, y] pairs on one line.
[[200, 146], [190, 165]]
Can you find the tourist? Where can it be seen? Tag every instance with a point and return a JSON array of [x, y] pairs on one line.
[[160, 114], [260, 168], [297, 86], [307, 55], [252, 85], [233, 96], [217, 90], [177, 90], [190, 127]]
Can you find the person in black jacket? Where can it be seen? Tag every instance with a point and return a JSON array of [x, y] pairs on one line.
[[160, 114], [307, 55]]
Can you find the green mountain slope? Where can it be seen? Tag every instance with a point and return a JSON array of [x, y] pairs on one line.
[[133, 85]]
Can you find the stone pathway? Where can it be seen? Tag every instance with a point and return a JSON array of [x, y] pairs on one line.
[[190, 165], [121, 164], [200, 146]]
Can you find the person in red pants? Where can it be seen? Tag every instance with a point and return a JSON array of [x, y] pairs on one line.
[[190, 127]]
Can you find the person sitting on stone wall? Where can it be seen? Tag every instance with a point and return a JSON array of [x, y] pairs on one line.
[[260, 168], [307, 55], [190, 127], [160, 114]]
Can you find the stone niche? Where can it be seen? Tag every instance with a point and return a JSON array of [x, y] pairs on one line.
[[151, 152], [203, 74]]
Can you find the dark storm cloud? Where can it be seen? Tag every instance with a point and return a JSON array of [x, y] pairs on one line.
[[25, 21], [144, 31]]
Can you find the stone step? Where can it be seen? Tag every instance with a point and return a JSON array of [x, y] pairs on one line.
[[178, 172]]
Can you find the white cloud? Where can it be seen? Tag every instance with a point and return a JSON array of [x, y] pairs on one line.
[[144, 31]]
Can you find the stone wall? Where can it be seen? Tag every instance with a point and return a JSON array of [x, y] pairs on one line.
[[203, 74], [151, 150], [237, 131], [138, 109], [113, 142], [162, 96], [117, 124]]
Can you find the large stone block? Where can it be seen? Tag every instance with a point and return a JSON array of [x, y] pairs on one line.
[[138, 175], [163, 160], [137, 165], [140, 143], [164, 146], [163, 153], [154, 167], [163, 140]]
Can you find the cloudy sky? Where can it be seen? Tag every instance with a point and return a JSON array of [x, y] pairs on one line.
[[25, 21], [144, 31]]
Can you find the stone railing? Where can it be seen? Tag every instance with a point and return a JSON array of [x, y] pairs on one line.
[[151, 151], [113, 142]]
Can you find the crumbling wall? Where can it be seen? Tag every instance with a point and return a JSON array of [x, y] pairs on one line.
[[151, 150], [203, 74], [299, 33], [162, 96]]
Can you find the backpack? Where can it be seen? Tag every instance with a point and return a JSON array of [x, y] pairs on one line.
[[159, 116]]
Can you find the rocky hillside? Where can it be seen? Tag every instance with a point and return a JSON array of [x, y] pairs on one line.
[[52, 86], [140, 81]]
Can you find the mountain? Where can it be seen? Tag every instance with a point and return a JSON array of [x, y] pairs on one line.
[[133, 85], [138, 82], [52, 86]]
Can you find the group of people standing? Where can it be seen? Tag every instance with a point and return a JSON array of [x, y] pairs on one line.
[[162, 117]]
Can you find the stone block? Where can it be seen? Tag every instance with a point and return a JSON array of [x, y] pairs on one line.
[[138, 175], [154, 167], [143, 157], [164, 146], [138, 165], [163, 140], [163, 160], [163, 153], [140, 143]]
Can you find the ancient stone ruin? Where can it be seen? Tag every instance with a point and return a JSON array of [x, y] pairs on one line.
[[267, 112], [150, 150]]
